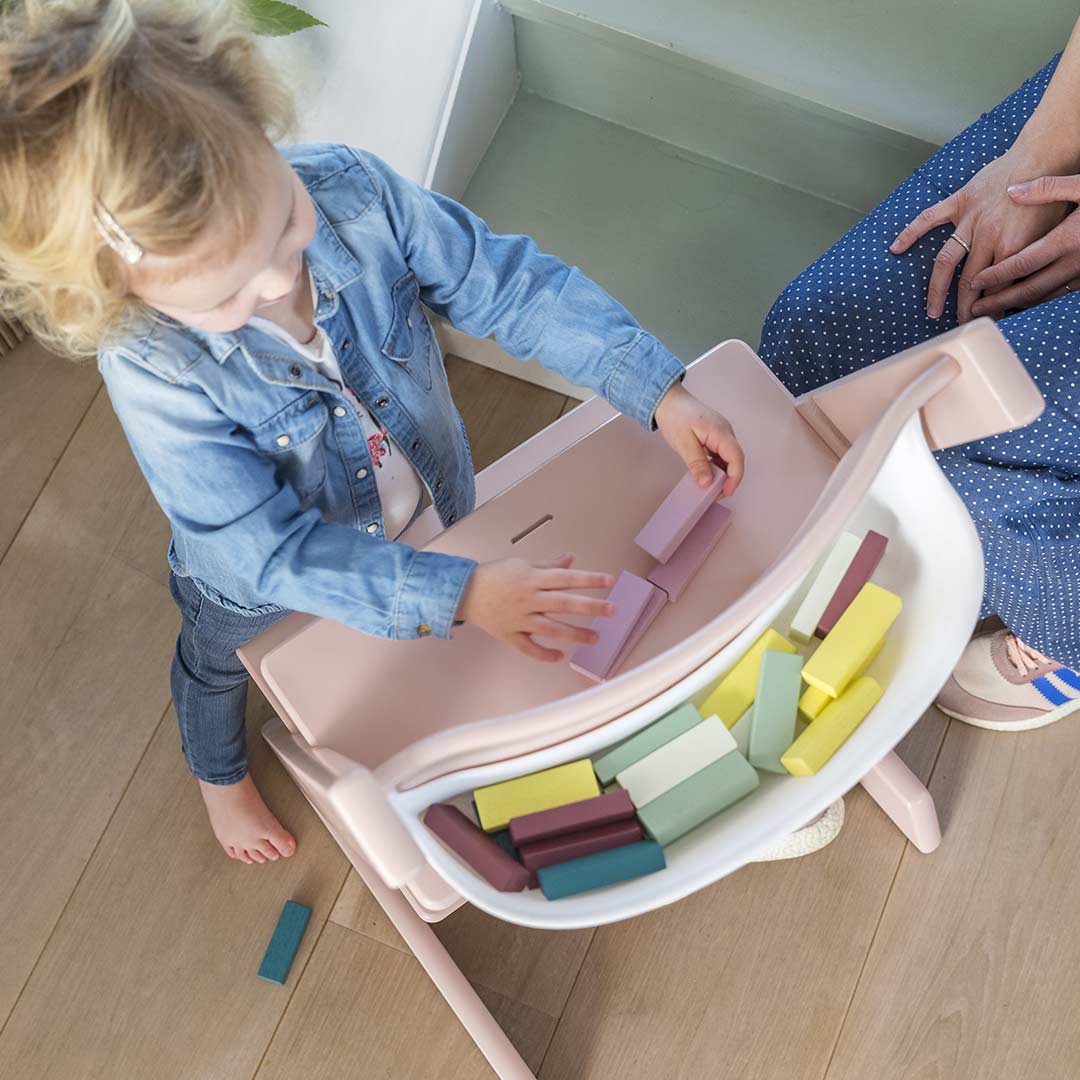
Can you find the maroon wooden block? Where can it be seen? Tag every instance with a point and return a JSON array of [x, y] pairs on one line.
[[574, 845], [466, 839], [857, 575], [573, 817]]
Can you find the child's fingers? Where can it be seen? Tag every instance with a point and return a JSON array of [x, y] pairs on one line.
[[573, 579], [560, 631], [564, 603], [728, 449], [525, 644], [559, 562]]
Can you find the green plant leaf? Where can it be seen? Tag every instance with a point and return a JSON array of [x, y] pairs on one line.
[[272, 18]]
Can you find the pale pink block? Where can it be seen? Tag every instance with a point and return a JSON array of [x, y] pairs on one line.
[[903, 796], [678, 514], [674, 575], [630, 596], [657, 602]]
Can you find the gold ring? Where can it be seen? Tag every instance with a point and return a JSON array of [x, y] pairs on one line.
[[1068, 287]]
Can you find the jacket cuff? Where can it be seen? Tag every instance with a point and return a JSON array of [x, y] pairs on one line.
[[644, 373], [428, 599]]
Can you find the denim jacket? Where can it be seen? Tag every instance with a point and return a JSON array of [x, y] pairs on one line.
[[259, 463]]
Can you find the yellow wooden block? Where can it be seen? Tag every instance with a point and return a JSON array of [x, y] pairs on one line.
[[853, 641], [498, 803], [812, 702], [734, 693], [809, 752]]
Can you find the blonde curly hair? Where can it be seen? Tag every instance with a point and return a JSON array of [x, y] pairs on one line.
[[150, 108]]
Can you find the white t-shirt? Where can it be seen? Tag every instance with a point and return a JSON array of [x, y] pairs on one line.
[[396, 481]]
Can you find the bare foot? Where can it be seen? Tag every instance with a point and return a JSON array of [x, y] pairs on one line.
[[243, 823]]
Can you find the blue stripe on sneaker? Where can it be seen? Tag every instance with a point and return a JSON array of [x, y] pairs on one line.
[[1068, 677], [1049, 690]]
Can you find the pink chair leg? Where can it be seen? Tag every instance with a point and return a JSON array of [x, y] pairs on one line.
[[903, 796], [490, 1039]]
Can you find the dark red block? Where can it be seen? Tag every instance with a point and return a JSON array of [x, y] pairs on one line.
[[469, 841], [574, 845], [857, 575], [573, 817]]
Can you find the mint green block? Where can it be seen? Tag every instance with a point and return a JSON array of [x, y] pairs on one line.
[[699, 798], [645, 742], [772, 716]]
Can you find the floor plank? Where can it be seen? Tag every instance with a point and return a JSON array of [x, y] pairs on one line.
[[750, 978], [43, 401], [152, 968], [973, 971]]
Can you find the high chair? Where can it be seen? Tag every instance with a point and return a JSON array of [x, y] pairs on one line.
[[375, 731]]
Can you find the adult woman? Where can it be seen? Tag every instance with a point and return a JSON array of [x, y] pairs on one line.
[[995, 204]]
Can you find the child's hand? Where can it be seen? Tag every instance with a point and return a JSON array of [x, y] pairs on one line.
[[513, 599], [695, 432]]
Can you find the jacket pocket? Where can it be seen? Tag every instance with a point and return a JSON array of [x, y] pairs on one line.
[[293, 439], [409, 341]]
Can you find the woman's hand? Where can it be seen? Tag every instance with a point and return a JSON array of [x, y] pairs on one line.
[[1047, 268], [700, 435], [513, 599], [990, 225]]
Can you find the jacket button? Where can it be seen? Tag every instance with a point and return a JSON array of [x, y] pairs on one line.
[[382, 403], [328, 296], [294, 371], [283, 440], [361, 473], [339, 410], [423, 629], [373, 528]]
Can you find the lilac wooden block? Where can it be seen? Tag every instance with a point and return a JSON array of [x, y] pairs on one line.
[[855, 577], [678, 514], [573, 817], [674, 575], [575, 845], [630, 596], [657, 603], [485, 856]]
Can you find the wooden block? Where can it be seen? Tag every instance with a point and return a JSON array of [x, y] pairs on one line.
[[851, 644], [284, 942], [487, 857], [804, 624], [677, 760], [701, 797], [646, 741], [603, 868], [870, 553], [630, 595], [772, 716], [575, 845], [809, 752], [812, 702], [674, 575], [502, 838], [498, 803], [734, 693], [678, 514], [573, 817], [656, 603]]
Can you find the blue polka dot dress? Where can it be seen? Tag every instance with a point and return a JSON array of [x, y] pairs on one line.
[[859, 303]]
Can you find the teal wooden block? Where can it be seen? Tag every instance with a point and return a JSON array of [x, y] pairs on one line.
[[600, 869], [284, 942], [772, 719], [699, 798], [645, 742], [502, 838]]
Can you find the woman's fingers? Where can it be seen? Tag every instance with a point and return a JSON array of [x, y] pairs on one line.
[[930, 218], [1029, 291], [1026, 262], [1046, 189], [966, 291], [946, 261]]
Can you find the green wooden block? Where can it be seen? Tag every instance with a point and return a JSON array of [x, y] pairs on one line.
[[699, 798], [772, 716], [645, 742], [284, 942], [600, 869], [502, 838]]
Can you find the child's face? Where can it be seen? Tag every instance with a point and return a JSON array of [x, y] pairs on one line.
[[217, 291]]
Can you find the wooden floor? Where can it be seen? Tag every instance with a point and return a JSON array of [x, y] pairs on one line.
[[129, 943]]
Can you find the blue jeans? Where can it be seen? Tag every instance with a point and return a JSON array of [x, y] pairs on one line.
[[209, 684]]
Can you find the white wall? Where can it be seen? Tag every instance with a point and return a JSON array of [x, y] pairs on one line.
[[377, 75]]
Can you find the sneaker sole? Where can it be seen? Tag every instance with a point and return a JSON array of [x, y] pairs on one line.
[[1051, 717], [819, 833]]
